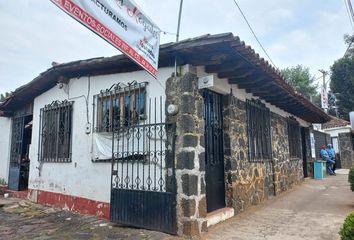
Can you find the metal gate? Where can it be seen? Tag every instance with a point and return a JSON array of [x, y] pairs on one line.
[[18, 126], [143, 190], [214, 151]]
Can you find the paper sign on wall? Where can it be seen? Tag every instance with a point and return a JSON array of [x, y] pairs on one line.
[[122, 24]]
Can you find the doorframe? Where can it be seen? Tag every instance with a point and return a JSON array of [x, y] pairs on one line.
[[304, 152], [221, 96], [15, 172]]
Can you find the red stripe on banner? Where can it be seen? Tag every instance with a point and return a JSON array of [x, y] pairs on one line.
[[89, 21]]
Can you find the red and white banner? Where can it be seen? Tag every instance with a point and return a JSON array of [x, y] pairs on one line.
[[122, 24], [324, 98]]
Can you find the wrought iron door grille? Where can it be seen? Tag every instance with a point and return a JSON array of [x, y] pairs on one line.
[[294, 138], [16, 141], [143, 183], [55, 132], [259, 138], [142, 152]]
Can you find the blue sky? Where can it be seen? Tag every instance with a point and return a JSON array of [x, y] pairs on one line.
[[35, 33]]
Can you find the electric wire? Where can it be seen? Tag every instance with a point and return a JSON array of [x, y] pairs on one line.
[[349, 15], [349, 7], [254, 34]]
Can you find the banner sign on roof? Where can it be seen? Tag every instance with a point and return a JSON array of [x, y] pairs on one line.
[[122, 24], [324, 98]]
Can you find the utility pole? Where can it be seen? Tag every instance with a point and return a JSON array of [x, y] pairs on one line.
[[324, 94], [177, 35]]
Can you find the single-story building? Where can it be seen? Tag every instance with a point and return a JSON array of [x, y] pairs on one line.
[[340, 133], [177, 153]]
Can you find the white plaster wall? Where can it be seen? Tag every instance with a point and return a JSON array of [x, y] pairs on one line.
[[224, 87], [82, 177], [335, 131], [5, 144]]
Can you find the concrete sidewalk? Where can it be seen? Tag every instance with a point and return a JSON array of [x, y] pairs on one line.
[[314, 210]]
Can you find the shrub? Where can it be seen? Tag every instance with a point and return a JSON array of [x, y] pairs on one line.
[[351, 179], [347, 231]]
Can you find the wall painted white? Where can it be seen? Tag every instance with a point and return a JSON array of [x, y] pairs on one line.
[[5, 144], [82, 177], [335, 131], [225, 88]]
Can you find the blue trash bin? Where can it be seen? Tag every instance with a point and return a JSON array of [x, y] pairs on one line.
[[319, 169]]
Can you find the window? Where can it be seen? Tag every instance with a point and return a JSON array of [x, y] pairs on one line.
[[122, 106], [294, 138], [259, 140], [55, 135]]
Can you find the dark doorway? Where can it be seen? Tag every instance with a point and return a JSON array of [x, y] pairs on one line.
[[304, 150], [19, 158], [214, 151]]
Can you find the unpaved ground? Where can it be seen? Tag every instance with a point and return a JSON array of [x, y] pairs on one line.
[[21, 219]]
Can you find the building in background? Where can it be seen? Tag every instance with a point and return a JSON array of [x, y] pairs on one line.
[[340, 132]]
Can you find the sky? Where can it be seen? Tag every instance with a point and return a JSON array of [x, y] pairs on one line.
[[34, 33]]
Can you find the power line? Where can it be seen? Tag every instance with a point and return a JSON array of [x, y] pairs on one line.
[[349, 7], [254, 34], [349, 15]]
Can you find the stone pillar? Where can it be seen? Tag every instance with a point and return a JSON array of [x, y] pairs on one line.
[[190, 153], [346, 150]]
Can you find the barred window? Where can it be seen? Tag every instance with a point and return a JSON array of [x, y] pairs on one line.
[[259, 139], [294, 138], [121, 106], [55, 134]]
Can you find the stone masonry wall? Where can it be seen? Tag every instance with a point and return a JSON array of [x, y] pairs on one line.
[[249, 183], [190, 153], [287, 171], [245, 181], [346, 150]]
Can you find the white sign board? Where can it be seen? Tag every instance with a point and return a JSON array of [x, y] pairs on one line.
[[206, 82], [122, 24], [312, 142], [324, 98]]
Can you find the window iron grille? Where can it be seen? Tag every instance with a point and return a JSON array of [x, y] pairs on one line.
[[55, 132], [294, 138], [259, 138], [120, 105]]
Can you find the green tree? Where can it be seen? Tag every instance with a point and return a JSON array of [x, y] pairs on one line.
[[342, 80], [316, 99], [4, 96], [349, 40], [301, 79], [342, 83]]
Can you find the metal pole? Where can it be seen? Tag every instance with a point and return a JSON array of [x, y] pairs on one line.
[[177, 35]]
